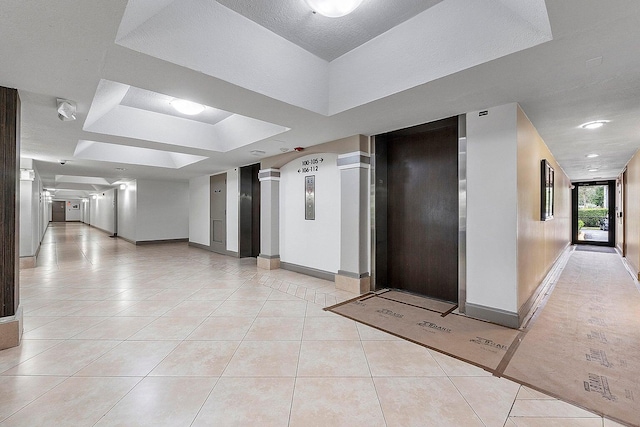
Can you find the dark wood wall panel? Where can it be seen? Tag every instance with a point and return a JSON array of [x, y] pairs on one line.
[[9, 191], [422, 210]]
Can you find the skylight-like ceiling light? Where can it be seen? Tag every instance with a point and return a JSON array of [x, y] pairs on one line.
[[594, 125], [333, 8], [187, 107]]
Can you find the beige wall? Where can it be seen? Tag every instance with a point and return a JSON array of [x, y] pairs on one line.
[[539, 242], [632, 214], [340, 146]]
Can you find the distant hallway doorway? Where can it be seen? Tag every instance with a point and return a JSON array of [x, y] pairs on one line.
[[594, 207], [58, 212]]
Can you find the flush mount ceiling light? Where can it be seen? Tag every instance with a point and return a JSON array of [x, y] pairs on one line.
[[593, 170], [333, 8], [187, 107], [594, 125], [592, 155], [123, 186], [257, 152]]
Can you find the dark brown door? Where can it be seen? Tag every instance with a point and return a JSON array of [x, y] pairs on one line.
[[219, 213], [249, 211], [58, 212], [422, 210]]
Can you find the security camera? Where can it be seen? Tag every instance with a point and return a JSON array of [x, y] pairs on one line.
[[63, 162]]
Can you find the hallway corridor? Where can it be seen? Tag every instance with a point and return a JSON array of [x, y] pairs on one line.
[[169, 335]]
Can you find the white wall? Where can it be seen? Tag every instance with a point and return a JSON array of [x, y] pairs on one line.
[[199, 207], [492, 205], [127, 211], [233, 214], [33, 218], [85, 212], [311, 243], [102, 211], [26, 219], [73, 214], [162, 210]]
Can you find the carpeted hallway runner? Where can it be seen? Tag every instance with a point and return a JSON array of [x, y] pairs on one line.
[[582, 347]]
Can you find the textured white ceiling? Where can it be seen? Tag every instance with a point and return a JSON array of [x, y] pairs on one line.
[[325, 37]]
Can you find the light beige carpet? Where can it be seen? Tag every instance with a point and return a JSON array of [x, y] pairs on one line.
[[584, 347]]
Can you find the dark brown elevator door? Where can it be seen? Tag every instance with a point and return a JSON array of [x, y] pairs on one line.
[[422, 212]]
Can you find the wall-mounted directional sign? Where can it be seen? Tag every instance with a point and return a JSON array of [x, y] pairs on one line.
[[310, 165]]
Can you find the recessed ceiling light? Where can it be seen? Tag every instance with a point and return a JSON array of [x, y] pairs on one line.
[[284, 149], [257, 152], [593, 170], [333, 8], [594, 125], [187, 107], [121, 169], [592, 155]]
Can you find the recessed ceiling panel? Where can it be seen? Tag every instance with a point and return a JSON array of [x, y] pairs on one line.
[[159, 103], [115, 153], [89, 180], [444, 38], [122, 110]]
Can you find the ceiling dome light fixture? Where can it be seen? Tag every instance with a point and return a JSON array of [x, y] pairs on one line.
[[187, 107], [594, 125], [333, 8], [592, 155]]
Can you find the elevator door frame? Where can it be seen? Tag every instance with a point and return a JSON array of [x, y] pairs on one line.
[[379, 198]]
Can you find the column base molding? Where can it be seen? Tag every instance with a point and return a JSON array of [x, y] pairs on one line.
[[11, 330], [267, 263], [354, 285]]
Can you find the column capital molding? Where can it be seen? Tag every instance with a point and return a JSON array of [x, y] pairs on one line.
[[356, 159], [270, 174]]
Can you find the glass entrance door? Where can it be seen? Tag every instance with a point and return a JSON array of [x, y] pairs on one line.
[[594, 208]]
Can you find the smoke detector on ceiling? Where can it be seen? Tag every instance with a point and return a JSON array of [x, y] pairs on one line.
[[66, 110]]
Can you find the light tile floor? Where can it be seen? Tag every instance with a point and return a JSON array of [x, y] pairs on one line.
[[124, 335]]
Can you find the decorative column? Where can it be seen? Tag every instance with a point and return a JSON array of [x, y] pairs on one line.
[[353, 275], [269, 258], [10, 314]]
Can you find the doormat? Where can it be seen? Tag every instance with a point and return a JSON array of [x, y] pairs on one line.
[[589, 248], [480, 343], [584, 347]]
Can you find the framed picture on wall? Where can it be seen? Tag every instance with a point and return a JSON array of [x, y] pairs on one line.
[[546, 190]]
